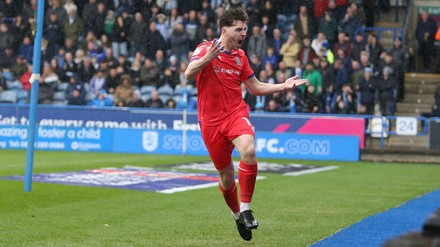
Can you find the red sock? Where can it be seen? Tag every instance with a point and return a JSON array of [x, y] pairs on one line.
[[231, 197], [247, 174]]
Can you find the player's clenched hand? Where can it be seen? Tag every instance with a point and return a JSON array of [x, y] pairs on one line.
[[214, 49], [294, 82]]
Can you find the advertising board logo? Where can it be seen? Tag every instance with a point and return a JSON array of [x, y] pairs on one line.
[[150, 140]]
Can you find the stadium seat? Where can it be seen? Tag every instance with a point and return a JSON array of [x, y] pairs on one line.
[[194, 92], [59, 96], [164, 97], [59, 102], [22, 96], [8, 96], [14, 85], [165, 90], [146, 90], [62, 86]]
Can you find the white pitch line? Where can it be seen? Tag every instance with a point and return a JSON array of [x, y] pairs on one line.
[[325, 168]]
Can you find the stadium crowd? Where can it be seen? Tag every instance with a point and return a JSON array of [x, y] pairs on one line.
[[133, 53]]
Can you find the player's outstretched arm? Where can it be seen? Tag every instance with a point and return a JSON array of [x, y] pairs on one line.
[[194, 67], [261, 88]]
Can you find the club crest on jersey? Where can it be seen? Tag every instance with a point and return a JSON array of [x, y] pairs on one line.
[[217, 68], [237, 60]]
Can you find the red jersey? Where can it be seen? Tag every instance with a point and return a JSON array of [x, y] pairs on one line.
[[218, 85]]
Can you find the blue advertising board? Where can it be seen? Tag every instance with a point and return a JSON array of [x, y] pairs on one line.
[[268, 145]]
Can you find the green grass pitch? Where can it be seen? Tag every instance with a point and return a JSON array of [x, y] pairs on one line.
[[293, 211]]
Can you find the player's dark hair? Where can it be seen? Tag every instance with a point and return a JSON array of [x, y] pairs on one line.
[[228, 18]]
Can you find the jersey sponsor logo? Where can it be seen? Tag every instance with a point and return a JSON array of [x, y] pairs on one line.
[[220, 69]]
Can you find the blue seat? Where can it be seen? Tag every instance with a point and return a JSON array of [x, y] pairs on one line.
[[59, 96], [8, 96], [146, 90]]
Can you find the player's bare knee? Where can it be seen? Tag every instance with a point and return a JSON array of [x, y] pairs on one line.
[[248, 154]]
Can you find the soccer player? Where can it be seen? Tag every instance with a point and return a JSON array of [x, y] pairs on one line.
[[220, 66]]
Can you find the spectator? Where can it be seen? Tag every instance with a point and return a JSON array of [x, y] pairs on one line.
[[134, 71], [73, 26], [400, 58], [314, 78], [61, 73], [306, 53], [20, 28], [328, 26], [170, 104], [269, 11], [154, 101], [309, 102], [124, 91], [343, 44], [48, 82], [97, 82], [190, 25], [119, 37], [55, 7], [435, 112], [318, 42], [341, 75], [109, 22], [319, 8], [282, 69], [358, 45], [112, 80], [179, 43], [375, 49], [162, 26], [345, 100], [290, 50], [386, 86], [276, 41], [54, 34], [425, 34], [149, 74], [69, 5], [136, 101], [207, 12], [75, 92], [304, 24], [89, 16], [19, 68], [101, 100], [327, 74], [26, 49], [270, 57], [173, 20], [329, 99], [367, 88], [257, 43], [100, 18], [136, 35], [25, 78], [201, 32], [6, 37], [155, 41], [248, 97], [370, 11], [86, 71], [7, 58], [350, 22]]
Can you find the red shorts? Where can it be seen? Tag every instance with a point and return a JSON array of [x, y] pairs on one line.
[[218, 138]]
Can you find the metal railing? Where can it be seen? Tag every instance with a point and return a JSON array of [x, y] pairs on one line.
[[394, 30]]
